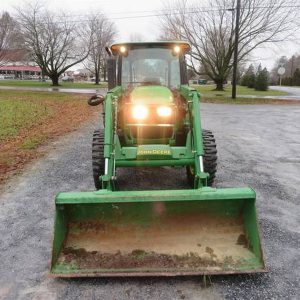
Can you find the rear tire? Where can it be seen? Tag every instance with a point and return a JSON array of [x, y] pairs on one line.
[[98, 161], [209, 159]]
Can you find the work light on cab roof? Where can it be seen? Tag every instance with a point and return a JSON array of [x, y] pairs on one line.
[[176, 46]]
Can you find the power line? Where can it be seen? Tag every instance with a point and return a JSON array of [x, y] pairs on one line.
[[158, 12], [153, 15], [187, 12], [150, 11], [169, 12]]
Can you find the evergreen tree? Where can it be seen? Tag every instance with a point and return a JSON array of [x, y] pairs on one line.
[[287, 81], [259, 69], [296, 77], [262, 80], [248, 79]]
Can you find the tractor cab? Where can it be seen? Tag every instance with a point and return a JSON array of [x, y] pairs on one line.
[[150, 74], [150, 64]]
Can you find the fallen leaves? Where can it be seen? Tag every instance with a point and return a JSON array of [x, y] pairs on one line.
[[66, 115]]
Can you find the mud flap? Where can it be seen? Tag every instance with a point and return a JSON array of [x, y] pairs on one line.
[[140, 233]]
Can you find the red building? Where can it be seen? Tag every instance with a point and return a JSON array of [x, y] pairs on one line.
[[20, 72], [19, 65]]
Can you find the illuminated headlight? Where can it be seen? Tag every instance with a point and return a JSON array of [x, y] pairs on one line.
[[140, 112], [123, 49], [164, 111], [177, 49]]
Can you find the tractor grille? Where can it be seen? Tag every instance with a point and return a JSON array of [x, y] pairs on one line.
[[152, 127], [151, 132]]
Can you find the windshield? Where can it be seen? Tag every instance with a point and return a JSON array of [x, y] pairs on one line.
[[150, 66]]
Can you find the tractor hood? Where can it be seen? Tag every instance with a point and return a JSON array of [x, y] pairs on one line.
[[154, 94]]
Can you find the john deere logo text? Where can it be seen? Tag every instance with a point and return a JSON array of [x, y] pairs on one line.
[[154, 152]]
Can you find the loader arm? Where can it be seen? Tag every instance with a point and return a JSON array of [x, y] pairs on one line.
[[193, 99], [110, 105]]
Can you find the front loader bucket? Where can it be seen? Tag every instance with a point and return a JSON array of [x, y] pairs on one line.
[[140, 233]]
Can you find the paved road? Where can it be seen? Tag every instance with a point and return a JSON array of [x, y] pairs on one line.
[[294, 92], [56, 89], [257, 145]]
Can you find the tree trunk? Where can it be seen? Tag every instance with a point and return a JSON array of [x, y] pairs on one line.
[[97, 79], [54, 79], [219, 85], [104, 72]]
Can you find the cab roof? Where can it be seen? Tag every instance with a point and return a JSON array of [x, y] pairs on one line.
[[133, 45]]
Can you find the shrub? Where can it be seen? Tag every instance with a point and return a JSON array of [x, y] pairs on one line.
[[262, 80]]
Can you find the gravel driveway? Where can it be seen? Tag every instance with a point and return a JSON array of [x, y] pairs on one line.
[[257, 146]]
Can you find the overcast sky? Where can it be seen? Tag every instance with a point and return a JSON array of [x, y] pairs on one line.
[[123, 11]]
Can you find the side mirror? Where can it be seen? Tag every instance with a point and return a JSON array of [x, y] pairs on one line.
[[111, 72], [96, 100]]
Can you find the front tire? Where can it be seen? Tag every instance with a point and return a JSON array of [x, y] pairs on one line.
[[209, 159], [98, 161]]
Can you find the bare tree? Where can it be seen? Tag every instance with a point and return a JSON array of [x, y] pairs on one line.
[[9, 37], [210, 31], [102, 32], [281, 62], [290, 64], [57, 43]]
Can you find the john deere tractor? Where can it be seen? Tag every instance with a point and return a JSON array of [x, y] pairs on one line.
[[152, 118], [150, 121]]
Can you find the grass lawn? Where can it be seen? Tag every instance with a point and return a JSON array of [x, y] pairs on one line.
[[29, 119], [18, 115], [208, 91], [48, 84]]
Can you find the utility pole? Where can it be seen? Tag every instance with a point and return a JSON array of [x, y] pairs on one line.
[[236, 44], [292, 67]]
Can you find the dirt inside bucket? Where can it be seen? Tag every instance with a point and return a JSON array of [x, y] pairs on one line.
[[188, 242], [138, 259]]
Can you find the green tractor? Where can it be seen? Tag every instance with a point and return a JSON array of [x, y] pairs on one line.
[[152, 118]]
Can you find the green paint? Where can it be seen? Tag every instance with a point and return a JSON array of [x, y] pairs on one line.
[[155, 152], [154, 163], [60, 230], [159, 152], [205, 193], [144, 95], [139, 211]]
